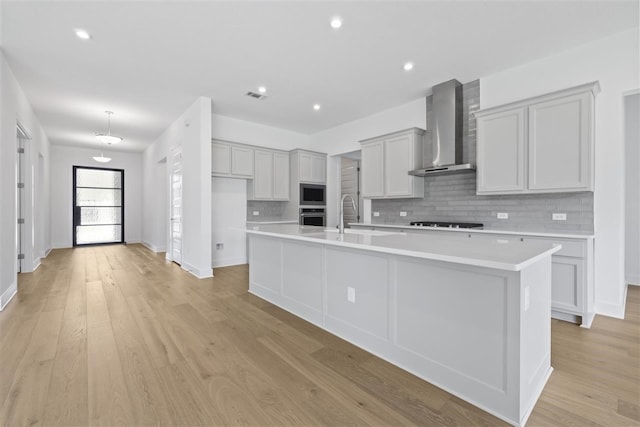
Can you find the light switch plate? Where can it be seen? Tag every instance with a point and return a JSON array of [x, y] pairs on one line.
[[256, 213], [559, 216], [376, 214], [503, 215], [403, 213]]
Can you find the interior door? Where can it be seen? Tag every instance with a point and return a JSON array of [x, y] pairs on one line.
[[176, 206], [98, 205]]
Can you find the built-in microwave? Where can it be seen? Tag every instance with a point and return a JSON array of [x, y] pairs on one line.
[[313, 194]]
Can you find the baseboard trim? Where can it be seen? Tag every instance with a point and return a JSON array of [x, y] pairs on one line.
[[228, 262], [199, 273], [153, 248], [36, 264], [8, 295], [634, 280], [47, 252], [612, 310]]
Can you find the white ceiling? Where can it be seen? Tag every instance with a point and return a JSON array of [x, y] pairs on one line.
[[148, 61]]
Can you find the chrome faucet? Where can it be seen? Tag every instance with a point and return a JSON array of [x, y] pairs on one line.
[[341, 221]]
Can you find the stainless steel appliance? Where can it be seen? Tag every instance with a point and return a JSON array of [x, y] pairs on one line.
[[446, 224], [313, 194], [313, 216], [445, 123]]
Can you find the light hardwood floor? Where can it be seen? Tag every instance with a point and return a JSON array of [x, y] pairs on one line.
[[114, 335]]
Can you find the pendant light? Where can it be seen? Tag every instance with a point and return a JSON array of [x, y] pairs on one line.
[[108, 138], [101, 158]]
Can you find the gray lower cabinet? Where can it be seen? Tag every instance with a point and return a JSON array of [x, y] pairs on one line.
[[572, 282]]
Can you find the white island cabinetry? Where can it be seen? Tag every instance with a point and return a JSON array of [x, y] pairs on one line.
[[469, 317]]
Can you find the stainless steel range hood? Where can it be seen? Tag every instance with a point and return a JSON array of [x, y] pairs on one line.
[[445, 124]]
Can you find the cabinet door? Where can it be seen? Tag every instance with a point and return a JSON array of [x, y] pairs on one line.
[[567, 284], [263, 175], [220, 158], [372, 169], [242, 161], [281, 176], [305, 167], [560, 144], [398, 162], [318, 169], [501, 153]]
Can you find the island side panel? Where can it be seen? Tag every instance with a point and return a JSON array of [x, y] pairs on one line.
[[458, 327], [535, 346]]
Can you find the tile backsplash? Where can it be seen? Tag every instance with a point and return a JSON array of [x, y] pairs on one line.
[[453, 197], [269, 211]]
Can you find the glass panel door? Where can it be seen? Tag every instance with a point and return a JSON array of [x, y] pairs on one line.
[[98, 206]]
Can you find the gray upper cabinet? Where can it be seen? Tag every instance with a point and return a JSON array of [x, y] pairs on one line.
[[312, 167], [538, 145], [560, 144], [372, 169], [386, 162], [501, 156], [271, 176], [231, 160]]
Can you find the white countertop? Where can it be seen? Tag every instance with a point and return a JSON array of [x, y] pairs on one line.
[[482, 230], [503, 254], [279, 221]]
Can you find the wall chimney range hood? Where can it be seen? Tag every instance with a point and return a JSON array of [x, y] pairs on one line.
[[445, 124]]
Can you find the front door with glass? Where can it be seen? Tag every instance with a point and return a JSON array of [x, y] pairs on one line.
[[98, 206]]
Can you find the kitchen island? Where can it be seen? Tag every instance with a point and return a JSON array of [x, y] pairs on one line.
[[470, 316]]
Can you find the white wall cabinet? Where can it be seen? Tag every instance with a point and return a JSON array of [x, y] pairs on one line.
[[231, 160], [538, 145], [271, 176], [386, 161], [312, 167]]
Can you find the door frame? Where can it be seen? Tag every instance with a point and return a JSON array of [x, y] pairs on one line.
[[73, 207]]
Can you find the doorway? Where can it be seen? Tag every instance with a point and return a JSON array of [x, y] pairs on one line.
[[21, 198], [350, 184], [175, 223], [98, 206]]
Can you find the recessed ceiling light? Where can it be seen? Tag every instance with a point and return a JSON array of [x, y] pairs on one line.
[[82, 34], [316, 107], [336, 22], [262, 89], [408, 66]]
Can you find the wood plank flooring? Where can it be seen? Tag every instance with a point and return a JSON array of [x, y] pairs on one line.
[[114, 335]]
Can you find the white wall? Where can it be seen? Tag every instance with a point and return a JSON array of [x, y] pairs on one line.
[[236, 130], [228, 214], [14, 107], [62, 161], [192, 132], [344, 138], [614, 62], [632, 188]]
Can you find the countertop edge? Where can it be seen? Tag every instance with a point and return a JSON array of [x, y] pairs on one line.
[[415, 254], [483, 231]]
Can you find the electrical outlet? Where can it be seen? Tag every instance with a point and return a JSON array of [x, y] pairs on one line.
[[376, 214], [503, 215], [351, 294], [256, 213], [403, 213], [219, 246], [559, 216]]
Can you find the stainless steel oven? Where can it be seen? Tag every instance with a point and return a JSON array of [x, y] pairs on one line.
[[313, 194], [313, 216]]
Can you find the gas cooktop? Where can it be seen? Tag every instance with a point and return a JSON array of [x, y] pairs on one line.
[[445, 224]]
